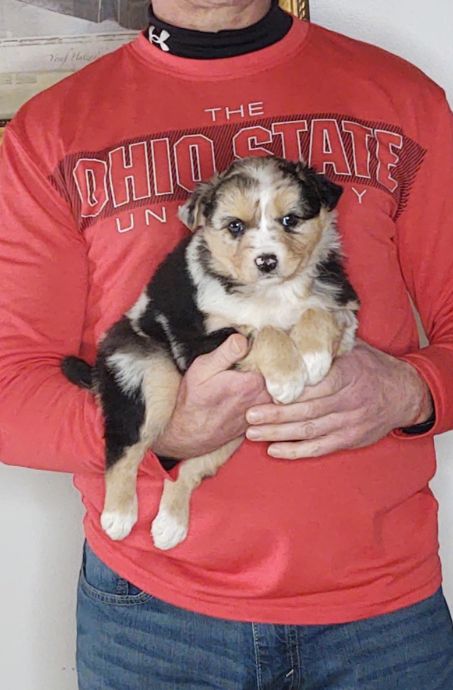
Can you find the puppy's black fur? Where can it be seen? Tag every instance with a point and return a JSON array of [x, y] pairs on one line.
[[172, 294]]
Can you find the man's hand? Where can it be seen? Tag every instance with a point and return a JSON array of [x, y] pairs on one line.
[[212, 402], [366, 395]]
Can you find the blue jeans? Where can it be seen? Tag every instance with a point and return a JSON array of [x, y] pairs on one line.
[[129, 640]]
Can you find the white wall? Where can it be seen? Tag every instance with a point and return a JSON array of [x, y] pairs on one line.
[[40, 513], [418, 31]]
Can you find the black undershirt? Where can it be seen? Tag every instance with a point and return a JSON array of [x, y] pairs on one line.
[[210, 45]]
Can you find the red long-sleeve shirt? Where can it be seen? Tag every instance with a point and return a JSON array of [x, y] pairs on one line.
[[91, 174]]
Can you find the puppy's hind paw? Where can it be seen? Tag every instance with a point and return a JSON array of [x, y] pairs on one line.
[[168, 530], [118, 525]]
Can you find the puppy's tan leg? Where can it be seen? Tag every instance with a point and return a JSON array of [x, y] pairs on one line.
[[120, 505], [317, 336], [277, 358], [160, 387], [171, 523]]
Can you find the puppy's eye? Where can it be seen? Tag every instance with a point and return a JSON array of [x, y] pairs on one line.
[[290, 221], [236, 227]]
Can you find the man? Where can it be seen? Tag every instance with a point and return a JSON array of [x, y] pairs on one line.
[[312, 556]]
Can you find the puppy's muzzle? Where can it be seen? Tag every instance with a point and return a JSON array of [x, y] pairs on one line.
[[266, 263]]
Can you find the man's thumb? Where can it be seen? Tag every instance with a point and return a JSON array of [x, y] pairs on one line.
[[223, 357]]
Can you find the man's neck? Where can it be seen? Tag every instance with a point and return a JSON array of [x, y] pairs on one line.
[[211, 15]]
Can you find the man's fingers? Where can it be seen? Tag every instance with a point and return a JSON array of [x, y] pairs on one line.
[[308, 449], [222, 358], [299, 431], [296, 412]]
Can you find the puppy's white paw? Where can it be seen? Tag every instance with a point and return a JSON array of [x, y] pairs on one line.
[[169, 529], [287, 390], [118, 525], [318, 365]]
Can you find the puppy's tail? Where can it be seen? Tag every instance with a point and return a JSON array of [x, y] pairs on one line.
[[78, 372]]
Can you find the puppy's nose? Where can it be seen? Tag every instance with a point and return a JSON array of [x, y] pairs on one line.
[[266, 262]]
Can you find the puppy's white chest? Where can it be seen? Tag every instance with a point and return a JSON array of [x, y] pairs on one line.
[[280, 308]]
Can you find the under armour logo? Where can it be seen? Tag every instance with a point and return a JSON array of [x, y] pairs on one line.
[[159, 40]]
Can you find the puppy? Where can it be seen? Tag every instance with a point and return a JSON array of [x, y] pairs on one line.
[[264, 261]]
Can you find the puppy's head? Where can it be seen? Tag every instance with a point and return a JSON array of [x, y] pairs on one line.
[[263, 219]]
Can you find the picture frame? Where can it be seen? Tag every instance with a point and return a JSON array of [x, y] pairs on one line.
[[300, 8], [43, 41]]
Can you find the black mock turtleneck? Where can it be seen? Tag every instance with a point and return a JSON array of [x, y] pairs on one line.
[[207, 45]]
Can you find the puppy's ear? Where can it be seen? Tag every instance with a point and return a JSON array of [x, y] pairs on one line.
[[189, 212], [199, 204], [327, 191]]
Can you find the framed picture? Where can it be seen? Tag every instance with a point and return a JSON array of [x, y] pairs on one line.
[[300, 8], [43, 41]]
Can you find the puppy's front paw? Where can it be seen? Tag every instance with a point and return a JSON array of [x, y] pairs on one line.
[[318, 365], [118, 525], [286, 389], [169, 529]]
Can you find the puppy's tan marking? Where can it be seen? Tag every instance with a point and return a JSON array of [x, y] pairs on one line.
[[239, 194], [120, 505], [317, 336], [316, 329], [160, 387], [277, 358], [226, 254]]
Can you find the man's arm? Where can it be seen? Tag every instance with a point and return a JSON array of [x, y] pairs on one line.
[[425, 248], [367, 393], [45, 422]]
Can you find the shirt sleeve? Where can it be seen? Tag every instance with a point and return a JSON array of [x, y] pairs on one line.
[[425, 247], [45, 421]]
